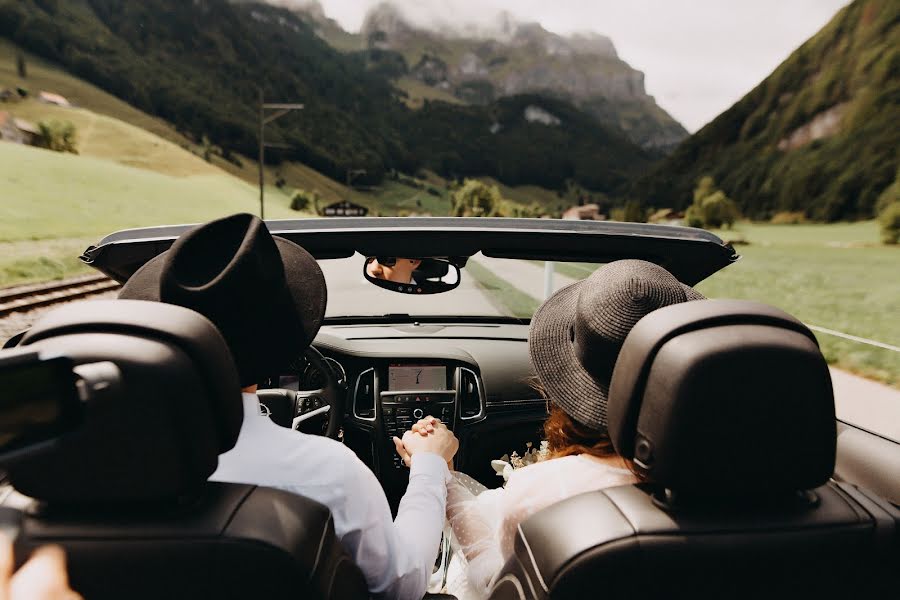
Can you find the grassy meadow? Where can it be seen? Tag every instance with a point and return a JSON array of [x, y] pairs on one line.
[[837, 276], [51, 204]]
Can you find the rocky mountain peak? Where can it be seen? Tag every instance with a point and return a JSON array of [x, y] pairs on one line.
[[501, 56], [506, 56], [312, 9], [385, 25]]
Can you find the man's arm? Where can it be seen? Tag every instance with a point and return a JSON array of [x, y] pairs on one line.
[[397, 557]]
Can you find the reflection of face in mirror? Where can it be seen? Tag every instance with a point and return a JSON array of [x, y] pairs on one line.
[[412, 275], [398, 270]]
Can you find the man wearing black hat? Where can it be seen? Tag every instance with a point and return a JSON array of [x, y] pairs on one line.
[[267, 297]]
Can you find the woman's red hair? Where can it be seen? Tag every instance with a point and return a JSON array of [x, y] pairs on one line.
[[566, 436]]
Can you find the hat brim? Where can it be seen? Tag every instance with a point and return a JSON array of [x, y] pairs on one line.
[[555, 362], [550, 344], [303, 277]]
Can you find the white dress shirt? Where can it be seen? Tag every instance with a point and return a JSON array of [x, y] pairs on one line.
[[396, 557]]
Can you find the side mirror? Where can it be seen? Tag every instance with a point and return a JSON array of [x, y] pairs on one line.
[[416, 276]]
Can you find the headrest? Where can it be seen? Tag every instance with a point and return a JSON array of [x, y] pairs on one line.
[[724, 398], [431, 269], [178, 408]]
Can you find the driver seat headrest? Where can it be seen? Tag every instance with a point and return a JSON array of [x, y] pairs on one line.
[[724, 398], [158, 435], [431, 269]]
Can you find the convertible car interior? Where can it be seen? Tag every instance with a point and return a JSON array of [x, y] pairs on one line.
[[754, 487]]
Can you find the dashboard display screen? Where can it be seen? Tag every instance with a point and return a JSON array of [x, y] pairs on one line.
[[417, 377]]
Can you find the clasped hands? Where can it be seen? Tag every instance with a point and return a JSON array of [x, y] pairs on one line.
[[427, 435]]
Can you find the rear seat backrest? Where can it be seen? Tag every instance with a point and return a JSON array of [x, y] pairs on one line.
[[727, 408], [127, 495]]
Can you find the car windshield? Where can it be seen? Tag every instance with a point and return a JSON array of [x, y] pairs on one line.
[[489, 287]]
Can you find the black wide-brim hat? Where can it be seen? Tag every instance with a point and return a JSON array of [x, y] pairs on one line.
[[265, 294], [576, 334]]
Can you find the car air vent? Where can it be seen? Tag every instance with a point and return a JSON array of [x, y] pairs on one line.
[[364, 394], [469, 395]]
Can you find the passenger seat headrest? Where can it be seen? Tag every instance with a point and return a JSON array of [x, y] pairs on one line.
[[724, 398], [179, 406]]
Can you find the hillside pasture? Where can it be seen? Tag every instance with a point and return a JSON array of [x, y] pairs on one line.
[[53, 203], [108, 138], [833, 276], [45, 76], [836, 276]]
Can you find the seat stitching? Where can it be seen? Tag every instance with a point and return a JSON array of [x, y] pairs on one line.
[[537, 570], [319, 549]]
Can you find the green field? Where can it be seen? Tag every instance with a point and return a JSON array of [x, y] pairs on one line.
[[108, 138], [835, 276], [51, 203]]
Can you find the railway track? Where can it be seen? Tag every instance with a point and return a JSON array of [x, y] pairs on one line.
[[27, 297]]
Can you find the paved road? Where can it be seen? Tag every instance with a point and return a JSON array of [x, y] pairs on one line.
[[866, 403], [524, 274]]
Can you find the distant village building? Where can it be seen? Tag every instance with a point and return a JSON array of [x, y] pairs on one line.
[[55, 99], [588, 212], [345, 209], [17, 131]]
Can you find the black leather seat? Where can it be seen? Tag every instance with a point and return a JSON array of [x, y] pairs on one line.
[[726, 408], [126, 495]]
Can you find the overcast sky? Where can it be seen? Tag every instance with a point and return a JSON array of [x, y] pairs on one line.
[[699, 56]]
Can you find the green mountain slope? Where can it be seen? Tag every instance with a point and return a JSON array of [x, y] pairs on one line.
[[523, 139], [198, 64], [819, 135]]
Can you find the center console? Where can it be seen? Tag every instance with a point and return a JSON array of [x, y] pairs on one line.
[[413, 392], [393, 394]]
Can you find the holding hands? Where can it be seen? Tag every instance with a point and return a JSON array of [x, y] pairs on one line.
[[427, 435]]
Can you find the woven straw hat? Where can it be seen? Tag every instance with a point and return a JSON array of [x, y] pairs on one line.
[[576, 335]]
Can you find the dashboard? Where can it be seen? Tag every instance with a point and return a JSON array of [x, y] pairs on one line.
[[473, 376]]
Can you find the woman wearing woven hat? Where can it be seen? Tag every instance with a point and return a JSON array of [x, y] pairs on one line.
[[574, 340]]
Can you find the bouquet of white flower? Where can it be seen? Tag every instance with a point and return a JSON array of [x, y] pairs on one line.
[[506, 464]]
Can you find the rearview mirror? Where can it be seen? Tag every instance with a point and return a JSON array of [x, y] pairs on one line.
[[412, 275]]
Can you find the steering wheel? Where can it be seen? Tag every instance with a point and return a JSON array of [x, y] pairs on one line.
[[311, 411]]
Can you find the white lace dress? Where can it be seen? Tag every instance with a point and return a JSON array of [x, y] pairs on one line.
[[484, 521]]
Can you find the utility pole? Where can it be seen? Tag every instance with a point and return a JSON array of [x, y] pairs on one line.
[[262, 157], [283, 109]]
